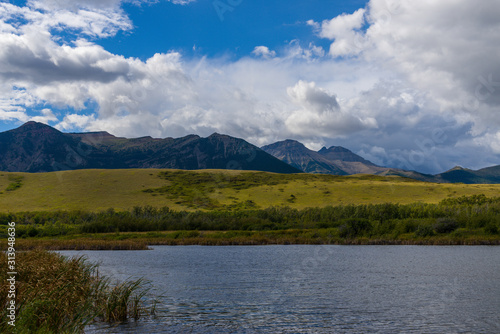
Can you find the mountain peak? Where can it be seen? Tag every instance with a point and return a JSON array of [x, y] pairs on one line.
[[334, 160], [340, 153], [288, 144], [457, 168], [334, 149], [216, 135], [32, 125]]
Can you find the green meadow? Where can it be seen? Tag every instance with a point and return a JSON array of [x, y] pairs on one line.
[[97, 190]]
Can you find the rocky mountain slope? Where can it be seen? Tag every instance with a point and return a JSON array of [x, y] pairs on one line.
[[36, 147], [335, 160], [338, 160]]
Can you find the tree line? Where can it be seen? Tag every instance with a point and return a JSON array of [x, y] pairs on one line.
[[463, 213]]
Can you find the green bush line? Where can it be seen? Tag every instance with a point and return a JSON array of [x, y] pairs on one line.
[[457, 217]]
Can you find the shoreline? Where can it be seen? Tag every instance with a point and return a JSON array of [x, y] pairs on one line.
[[131, 241]]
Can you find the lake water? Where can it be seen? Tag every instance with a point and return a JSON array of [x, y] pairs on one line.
[[313, 289]]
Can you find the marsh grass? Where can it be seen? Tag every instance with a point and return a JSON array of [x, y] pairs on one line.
[[81, 243], [63, 295]]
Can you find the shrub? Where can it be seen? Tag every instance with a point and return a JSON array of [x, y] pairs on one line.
[[445, 225], [424, 231], [491, 228], [407, 226], [354, 227]]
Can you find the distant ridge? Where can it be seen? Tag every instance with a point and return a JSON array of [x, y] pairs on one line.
[[36, 147], [469, 176], [335, 160], [297, 155], [338, 160]]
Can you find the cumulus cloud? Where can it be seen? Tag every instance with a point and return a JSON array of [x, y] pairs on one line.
[[320, 113], [313, 98], [344, 29]]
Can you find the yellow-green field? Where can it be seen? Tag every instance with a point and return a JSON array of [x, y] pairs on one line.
[[95, 190]]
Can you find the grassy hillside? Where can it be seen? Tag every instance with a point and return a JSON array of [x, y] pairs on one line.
[[96, 190]]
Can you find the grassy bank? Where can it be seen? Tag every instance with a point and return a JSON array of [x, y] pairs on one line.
[[82, 243], [330, 236], [97, 190], [60, 295]]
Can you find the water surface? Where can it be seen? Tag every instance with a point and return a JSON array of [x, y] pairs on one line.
[[313, 289]]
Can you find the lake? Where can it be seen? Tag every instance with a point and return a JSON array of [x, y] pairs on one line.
[[312, 289]]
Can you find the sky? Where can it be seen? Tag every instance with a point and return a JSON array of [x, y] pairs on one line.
[[405, 84]]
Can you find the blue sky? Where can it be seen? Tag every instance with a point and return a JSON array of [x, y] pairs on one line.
[[405, 84], [164, 26]]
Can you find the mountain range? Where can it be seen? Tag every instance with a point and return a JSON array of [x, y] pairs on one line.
[[36, 147], [341, 161], [334, 160]]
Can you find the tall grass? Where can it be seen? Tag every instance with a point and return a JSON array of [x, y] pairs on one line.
[[63, 295], [82, 243]]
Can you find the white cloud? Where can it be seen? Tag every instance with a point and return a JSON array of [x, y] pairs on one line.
[[344, 29], [86, 20], [342, 25], [93, 4], [75, 121], [46, 116], [320, 113], [295, 51], [264, 52], [6, 115], [182, 2], [310, 97]]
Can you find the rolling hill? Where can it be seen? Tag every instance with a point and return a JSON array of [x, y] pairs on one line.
[[123, 189]]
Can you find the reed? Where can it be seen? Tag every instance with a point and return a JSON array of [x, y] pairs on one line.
[[142, 240], [82, 243], [63, 295], [122, 302]]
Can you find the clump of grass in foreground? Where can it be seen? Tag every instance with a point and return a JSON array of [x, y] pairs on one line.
[[60, 295]]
